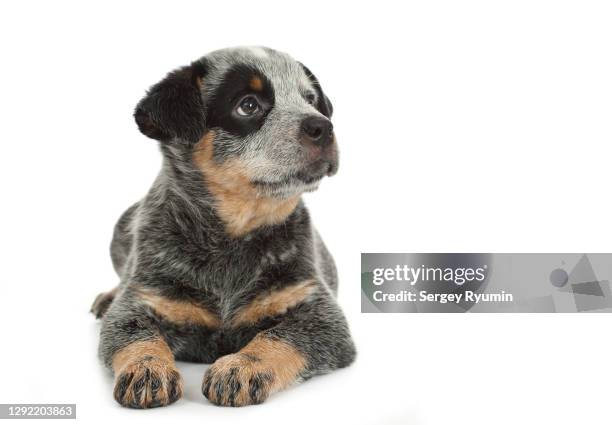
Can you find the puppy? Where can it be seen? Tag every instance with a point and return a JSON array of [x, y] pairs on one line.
[[219, 263]]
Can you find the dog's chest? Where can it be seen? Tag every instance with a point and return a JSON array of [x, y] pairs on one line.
[[226, 280], [231, 295], [237, 267], [208, 329]]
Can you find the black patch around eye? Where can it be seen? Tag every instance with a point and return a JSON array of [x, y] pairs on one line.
[[237, 83]]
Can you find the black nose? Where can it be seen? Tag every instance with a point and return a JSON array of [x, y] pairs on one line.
[[317, 130]]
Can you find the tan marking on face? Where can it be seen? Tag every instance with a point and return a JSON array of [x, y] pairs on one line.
[[149, 363], [180, 312], [275, 363], [274, 303], [241, 207], [199, 82], [256, 84]]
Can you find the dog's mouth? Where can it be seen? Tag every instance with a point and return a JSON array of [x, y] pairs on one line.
[[304, 180]]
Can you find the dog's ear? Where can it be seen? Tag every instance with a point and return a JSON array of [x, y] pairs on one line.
[[323, 105], [173, 108]]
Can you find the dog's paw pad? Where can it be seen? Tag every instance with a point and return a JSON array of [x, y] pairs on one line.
[[149, 382], [237, 380]]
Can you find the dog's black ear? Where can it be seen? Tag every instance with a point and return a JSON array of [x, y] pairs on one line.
[[324, 105], [173, 108]]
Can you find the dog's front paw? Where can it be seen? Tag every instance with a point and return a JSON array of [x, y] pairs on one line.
[[148, 382], [237, 380]]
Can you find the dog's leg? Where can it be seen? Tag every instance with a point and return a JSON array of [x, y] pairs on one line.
[[313, 338], [142, 362]]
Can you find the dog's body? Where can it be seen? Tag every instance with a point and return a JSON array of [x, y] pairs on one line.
[[220, 263]]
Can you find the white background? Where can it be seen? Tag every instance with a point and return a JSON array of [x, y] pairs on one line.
[[463, 126]]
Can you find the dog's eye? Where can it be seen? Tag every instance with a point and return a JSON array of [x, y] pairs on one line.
[[311, 98], [248, 106]]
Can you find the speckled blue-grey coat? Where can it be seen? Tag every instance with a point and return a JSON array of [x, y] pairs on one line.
[[219, 263]]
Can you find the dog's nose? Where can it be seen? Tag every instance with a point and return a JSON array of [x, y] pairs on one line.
[[317, 130]]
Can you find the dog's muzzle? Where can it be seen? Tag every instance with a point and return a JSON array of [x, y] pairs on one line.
[[318, 131], [317, 136]]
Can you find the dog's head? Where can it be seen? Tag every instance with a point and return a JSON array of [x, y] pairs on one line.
[[250, 117]]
